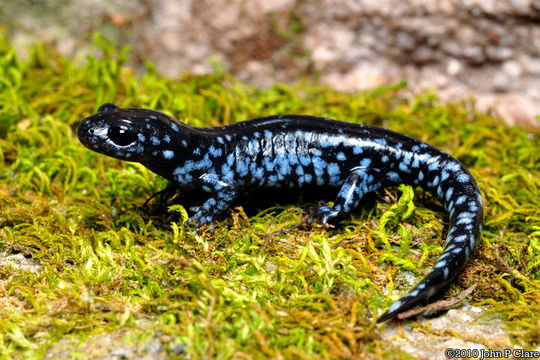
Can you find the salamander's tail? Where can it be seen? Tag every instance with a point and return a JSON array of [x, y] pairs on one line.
[[462, 199]]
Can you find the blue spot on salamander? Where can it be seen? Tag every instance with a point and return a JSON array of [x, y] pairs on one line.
[[168, 154]]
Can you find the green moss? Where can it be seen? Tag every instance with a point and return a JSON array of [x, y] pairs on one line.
[[94, 261]]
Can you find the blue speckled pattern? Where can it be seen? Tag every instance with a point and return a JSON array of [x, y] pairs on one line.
[[295, 151]]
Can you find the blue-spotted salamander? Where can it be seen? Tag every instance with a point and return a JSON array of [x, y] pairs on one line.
[[296, 151]]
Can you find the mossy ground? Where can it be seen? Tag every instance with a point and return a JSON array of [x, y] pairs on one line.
[[101, 263]]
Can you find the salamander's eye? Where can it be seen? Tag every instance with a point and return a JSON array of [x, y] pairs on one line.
[[122, 135]]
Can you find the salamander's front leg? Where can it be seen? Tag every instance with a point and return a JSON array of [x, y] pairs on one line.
[[223, 193], [360, 181]]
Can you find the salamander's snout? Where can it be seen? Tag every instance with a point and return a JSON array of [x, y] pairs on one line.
[[85, 132], [92, 133], [95, 130]]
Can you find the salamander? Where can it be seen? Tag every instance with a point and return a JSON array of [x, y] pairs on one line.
[[295, 151]]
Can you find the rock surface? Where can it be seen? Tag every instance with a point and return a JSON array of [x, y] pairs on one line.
[[487, 48], [461, 328]]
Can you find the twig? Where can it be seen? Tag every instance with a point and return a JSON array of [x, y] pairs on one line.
[[439, 305]]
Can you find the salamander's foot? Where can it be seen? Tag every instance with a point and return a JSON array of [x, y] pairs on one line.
[[324, 212], [360, 181], [200, 218]]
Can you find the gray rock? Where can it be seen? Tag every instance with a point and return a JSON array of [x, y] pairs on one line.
[[484, 46]]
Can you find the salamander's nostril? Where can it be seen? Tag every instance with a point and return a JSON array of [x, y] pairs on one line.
[[91, 131]]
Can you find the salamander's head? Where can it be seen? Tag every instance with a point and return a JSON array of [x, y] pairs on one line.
[[133, 134]]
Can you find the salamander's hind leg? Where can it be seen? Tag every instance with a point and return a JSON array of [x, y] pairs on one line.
[[223, 193], [360, 181]]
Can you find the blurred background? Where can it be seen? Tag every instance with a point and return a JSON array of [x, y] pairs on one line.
[[489, 49]]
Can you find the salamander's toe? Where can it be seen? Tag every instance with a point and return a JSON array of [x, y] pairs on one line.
[[323, 212]]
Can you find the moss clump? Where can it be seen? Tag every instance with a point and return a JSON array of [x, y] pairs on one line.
[[80, 258]]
